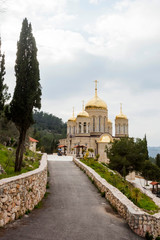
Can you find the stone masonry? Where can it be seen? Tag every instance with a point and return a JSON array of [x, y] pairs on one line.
[[139, 221], [21, 193]]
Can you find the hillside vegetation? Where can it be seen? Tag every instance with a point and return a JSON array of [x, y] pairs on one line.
[[7, 161], [48, 129], [134, 194]]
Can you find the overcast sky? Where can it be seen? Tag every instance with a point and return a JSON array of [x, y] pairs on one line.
[[116, 42]]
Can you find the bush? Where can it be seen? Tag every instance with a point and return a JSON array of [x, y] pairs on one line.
[[148, 236]]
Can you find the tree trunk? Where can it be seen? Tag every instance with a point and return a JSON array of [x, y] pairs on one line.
[[20, 150]]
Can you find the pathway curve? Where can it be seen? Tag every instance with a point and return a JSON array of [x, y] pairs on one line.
[[74, 210]]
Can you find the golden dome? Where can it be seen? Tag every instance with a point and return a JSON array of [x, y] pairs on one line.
[[105, 138], [109, 121], [121, 115], [73, 118], [83, 113], [96, 102]]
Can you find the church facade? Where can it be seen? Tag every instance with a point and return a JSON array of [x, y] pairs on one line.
[[92, 129]]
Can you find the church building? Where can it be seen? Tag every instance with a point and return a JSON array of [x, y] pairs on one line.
[[92, 129]]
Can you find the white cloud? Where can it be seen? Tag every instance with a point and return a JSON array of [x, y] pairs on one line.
[[129, 27], [119, 47], [94, 1]]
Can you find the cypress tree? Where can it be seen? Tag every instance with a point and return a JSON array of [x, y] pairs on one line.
[[4, 96], [27, 93], [146, 147], [158, 160]]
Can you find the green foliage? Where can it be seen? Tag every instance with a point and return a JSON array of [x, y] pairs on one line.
[[150, 171], [127, 155], [47, 185], [39, 205], [97, 157], [4, 96], [9, 133], [46, 121], [7, 161], [48, 129], [148, 236], [152, 160], [138, 198], [157, 238], [158, 160], [27, 93], [27, 212]]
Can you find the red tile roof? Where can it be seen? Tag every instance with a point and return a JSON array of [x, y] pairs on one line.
[[33, 140]]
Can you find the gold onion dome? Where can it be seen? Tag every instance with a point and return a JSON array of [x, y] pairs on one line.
[[109, 121], [73, 118], [121, 115], [83, 113], [96, 102]]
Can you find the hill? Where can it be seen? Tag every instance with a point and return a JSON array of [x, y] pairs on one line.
[[153, 151], [48, 129]]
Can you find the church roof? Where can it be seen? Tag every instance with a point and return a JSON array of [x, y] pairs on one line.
[[73, 118], [121, 115], [96, 102], [83, 113]]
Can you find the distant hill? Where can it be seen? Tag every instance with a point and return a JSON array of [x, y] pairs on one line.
[[48, 129], [153, 151], [46, 121]]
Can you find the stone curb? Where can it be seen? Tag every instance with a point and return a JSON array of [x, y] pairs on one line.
[[139, 221]]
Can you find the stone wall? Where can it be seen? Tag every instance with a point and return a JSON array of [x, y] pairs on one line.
[[21, 193], [139, 221]]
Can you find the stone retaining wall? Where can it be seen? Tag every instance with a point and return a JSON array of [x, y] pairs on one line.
[[139, 221], [21, 193]]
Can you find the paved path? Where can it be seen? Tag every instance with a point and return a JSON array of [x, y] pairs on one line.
[[74, 210]]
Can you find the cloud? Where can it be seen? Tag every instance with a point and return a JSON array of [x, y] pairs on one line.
[[94, 1], [114, 41], [127, 32]]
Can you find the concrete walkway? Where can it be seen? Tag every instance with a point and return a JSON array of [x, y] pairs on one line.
[[74, 210]]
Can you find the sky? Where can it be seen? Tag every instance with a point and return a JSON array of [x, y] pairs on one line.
[[116, 42]]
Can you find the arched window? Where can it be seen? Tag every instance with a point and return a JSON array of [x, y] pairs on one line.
[[119, 128], [84, 127], [99, 123], [69, 129], [80, 128], [104, 124], [88, 127], [93, 124], [124, 129]]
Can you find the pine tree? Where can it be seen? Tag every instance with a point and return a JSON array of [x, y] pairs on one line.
[[158, 160], [4, 96], [27, 93], [145, 147]]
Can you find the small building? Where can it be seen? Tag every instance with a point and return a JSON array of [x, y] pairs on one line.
[[32, 144]]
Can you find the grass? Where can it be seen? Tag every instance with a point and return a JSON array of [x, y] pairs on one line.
[[30, 162], [134, 194]]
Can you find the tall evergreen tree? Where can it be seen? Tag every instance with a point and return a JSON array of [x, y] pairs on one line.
[[158, 160], [27, 93], [4, 96], [145, 147]]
